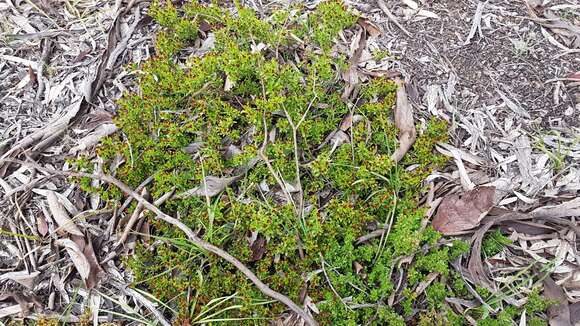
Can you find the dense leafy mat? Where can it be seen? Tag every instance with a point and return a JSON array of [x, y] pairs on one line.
[[270, 164]]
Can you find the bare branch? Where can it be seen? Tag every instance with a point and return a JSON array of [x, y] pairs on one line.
[[180, 225]]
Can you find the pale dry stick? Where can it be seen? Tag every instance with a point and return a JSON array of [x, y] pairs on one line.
[[46, 49], [271, 168], [185, 229], [392, 17], [296, 158], [476, 22], [132, 220], [32, 256], [138, 189], [323, 262]]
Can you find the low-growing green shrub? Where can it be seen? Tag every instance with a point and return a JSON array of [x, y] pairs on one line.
[[307, 173]]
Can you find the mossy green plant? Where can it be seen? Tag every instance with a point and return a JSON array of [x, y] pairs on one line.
[[494, 242], [264, 106]]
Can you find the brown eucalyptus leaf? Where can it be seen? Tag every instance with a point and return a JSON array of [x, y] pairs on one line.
[[460, 212], [32, 76], [96, 272], [41, 225], [372, 29], [258, 248], [404, 122], [60, 215], [558, 314], [350, 75]]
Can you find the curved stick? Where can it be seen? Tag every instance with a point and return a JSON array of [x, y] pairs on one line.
[[190, 234]]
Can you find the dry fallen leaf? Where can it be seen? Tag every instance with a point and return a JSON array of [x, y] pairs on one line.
[[60, 215], [79, 260], [23, 277], [559, 313], [404, 122], [258, 248], [569, 208], [350, 75], [96, 272], [41, 225], [460, 212], [476, 269], [210, 187], [11, 310], [370, 27]]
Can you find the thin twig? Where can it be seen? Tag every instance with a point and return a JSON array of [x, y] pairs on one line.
[[46, 49], [297, 159], [323, 262], [392, 17], [300, 208], [262, 154], [132, 220], [185, 229]]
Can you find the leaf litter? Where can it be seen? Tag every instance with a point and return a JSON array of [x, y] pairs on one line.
[[488, 138], [504, 137]]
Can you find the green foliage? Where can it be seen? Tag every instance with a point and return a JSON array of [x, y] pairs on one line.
[[494, 242], [327, 21], [536, 303], [237, 108]]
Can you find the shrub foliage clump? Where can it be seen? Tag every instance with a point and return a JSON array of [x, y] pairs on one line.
[[286, 175]]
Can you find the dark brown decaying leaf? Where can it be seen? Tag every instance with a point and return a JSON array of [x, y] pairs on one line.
[[370, 27], [350, 75], [461, 212], [96, 272], [32, 76], [258, 248], [558, 314], [404, 122]]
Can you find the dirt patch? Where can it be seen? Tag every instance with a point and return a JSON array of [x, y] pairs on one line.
[[507, 59]]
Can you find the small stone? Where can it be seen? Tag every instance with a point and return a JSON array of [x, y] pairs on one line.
[[569, 111]]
